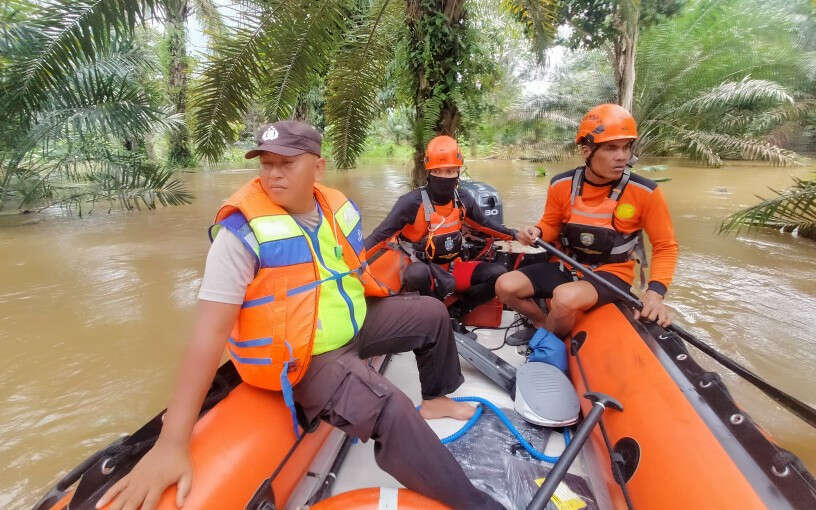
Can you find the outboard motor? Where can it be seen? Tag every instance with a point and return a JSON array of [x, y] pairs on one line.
[[486, 197]]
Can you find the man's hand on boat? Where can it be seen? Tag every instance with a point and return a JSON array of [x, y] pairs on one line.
[[165, 464], [654, 309], [168, 462], [528, 235]]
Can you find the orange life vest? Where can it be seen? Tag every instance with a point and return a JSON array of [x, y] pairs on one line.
[[590, 235], [434, 237], [387, 263], [271, 342], [431, 237]]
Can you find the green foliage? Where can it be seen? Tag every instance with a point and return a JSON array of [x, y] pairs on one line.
[[272, 56], [48, 46], [357, 76], [595, 23], [437, 47], [211, 19], [369, 56], [792, 210], [701, 91], [712, 94], [542, 127], [540, 21], [60, 130]]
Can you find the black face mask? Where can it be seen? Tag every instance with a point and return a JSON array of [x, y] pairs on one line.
[[441, 188]]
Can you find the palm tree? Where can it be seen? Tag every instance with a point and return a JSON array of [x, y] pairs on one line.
[[175, 15], [583, 80], [792, 210], [277, 50], [712, 94], [77, 29], [75, 104], [701, 92]]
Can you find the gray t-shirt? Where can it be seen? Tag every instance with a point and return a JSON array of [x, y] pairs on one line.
[[231, 266]]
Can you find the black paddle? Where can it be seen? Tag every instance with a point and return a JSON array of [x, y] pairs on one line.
[[794, 405]]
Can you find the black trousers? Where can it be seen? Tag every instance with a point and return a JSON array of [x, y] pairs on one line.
[[482, 282], [343, 390]]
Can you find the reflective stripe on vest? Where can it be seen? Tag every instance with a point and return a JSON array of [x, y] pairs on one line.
[[342, 300], [282, 242], [588, 223], [349, 221]]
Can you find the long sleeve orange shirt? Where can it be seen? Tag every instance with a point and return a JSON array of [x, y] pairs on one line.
[[646, 209]]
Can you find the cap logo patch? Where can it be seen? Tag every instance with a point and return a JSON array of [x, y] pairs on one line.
[[270, 134]]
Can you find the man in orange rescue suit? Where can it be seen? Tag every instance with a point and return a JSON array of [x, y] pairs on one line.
[[426, 224], [283, 291], [596, 213]]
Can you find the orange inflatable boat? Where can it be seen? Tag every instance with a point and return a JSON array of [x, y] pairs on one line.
[[679, 442]]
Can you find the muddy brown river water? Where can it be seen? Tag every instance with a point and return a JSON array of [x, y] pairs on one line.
[[94, 312]]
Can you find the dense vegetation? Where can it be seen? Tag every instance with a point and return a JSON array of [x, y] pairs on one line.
[[101, 101]]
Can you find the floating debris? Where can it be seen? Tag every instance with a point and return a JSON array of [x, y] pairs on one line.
[[653, 168]]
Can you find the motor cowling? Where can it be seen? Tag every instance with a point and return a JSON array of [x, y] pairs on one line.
[[487, 198]]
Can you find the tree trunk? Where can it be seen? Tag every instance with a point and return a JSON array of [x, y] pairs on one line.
[[301, 111], [425, 84], [177, 73], [625, 53]]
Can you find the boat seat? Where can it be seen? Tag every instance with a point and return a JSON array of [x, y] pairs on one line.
[[545, 396]]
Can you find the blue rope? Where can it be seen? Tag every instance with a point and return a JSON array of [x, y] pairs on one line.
[[286, 389], [507, 423]]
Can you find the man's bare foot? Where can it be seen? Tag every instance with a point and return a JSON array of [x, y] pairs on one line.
[[443, 407]]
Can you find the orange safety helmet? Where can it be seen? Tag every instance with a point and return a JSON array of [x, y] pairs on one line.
[[443, 152], [604, 123]]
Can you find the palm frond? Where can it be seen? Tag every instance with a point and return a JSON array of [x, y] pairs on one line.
[[356, 78], [559, 118], [207, 12], [305, 39], [98, 104], [89, 169], [540, 20], [431, 113], [229, 82], [139, 185], [792, 209], [763, 121], [15, 24], [743, 93], [67, 31], [712, 147], [270, 58]]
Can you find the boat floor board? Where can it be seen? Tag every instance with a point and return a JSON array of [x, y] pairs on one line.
[[360, 470]]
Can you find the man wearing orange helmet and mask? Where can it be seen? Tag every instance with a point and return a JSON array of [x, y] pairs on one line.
[[426, 225], [597, 213]]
